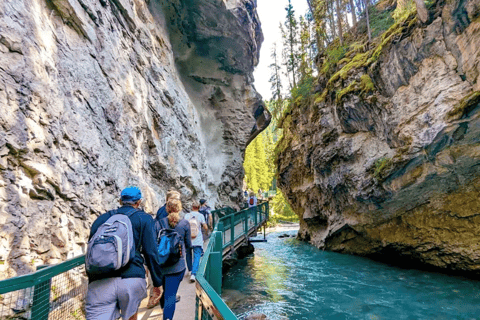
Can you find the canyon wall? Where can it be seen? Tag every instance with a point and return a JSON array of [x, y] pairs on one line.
[[96, 95], [384, 160]]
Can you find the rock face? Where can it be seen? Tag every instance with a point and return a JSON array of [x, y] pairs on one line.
[[98, 95], [394, 173]]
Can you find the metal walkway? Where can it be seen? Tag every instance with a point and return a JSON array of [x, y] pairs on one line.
[[58, 291]]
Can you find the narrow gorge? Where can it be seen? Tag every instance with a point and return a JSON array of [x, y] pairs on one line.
[[382, 161], [100, 94]]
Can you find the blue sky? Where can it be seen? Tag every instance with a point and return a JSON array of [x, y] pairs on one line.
[[271, 13]]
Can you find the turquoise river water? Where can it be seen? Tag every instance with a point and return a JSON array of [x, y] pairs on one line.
[[288, 279]]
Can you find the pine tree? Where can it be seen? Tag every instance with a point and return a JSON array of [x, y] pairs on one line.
[[275, 80], [305, 69], [291, 43]]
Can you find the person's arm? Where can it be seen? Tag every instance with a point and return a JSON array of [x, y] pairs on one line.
[[188, 244], [149, 250], [202, 222]]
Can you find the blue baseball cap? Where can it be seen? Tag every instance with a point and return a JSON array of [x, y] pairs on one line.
[[131, 194]]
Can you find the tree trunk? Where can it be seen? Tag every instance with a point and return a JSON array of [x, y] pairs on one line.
[[368, 22], [354, 15], [332, 20], [339, 21], [422, 11]]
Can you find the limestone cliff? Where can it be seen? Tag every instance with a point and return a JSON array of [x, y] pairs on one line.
[[383, 161], [96, 95]]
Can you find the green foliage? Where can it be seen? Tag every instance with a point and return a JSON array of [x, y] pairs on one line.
[[281, 209], [334, 55], [258, 172], [380, 21], [303, 89]]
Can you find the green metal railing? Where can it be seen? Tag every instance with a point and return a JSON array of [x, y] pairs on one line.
[[58, 291], [230, 230], [52, 292]]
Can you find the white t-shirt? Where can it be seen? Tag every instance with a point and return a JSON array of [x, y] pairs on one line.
[[198, 241]]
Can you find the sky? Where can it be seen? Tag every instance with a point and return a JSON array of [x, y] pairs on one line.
[[271, 13]]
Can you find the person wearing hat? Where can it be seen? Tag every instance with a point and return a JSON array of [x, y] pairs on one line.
[[205, 210], [162, 212], [119, 293]]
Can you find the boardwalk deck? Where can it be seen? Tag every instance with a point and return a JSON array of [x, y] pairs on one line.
[[185, 308]]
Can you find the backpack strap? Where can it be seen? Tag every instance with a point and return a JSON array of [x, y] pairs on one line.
[[138, 246], [163, 223]]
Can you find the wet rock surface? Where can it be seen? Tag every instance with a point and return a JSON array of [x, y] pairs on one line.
[[98, 95], [393, 173]]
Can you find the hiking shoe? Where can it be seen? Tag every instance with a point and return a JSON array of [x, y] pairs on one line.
[[192, 278], [154, 298]]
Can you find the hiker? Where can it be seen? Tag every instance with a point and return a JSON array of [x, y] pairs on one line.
[[173, 274], [112, 293], [205, 210], [252, 200], [197, 224], [162, 212]]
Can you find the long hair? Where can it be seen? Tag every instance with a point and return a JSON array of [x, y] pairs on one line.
[[174, 207]]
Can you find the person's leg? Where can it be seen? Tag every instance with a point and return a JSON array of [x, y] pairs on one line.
[[171, 284], [197, 255], [189, 260], [131, 292], [101, 300]]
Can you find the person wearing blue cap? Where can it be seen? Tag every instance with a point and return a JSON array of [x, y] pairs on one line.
[[119, 293]]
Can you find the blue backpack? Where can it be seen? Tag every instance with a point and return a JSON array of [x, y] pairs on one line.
[[169, 245]]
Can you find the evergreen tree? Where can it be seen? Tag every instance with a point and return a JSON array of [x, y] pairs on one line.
[[275, 80], [291, 43], [305, 69]]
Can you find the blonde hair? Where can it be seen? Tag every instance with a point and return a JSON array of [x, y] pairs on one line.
[[173, 194], [195, 206], [174, 207]]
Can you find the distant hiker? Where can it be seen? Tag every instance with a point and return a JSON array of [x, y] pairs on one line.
[[252, 200], [197, 224], [162, 212], [172, 274], [245, 194], [205, 210], [114, 293], [260, 194]]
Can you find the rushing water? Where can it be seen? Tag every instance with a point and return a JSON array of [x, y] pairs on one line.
[[288, 279]]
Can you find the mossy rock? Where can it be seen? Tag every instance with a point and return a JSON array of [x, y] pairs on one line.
[[382, 167], [366, 83], [464, 106]]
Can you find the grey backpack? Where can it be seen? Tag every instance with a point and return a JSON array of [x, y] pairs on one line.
[[112, 246]]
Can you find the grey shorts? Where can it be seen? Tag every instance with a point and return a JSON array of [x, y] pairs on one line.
[[109, 298]]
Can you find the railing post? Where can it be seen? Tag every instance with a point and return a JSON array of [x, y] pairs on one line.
[[245, 225], [41, 299], [215, 270], [232, 230], [254, 211], [221, 228]]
